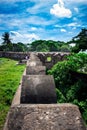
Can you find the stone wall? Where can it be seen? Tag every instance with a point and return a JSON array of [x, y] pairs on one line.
[[14, 55], [21, 56], [35, 107]]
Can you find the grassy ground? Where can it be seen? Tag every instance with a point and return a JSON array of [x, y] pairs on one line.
[[10, 75]]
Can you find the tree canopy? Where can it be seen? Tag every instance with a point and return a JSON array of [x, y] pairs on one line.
[[6, 38], [46, 45], [81, 41]]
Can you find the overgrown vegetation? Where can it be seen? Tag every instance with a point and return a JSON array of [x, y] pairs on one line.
[[10, 75], [71, 81]]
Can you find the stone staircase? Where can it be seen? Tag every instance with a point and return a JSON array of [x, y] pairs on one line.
[[35, 107]]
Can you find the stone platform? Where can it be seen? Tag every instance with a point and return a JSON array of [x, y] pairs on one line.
[[44, 117]]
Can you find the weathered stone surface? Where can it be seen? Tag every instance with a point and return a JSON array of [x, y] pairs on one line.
[[34, 57], [38, 89], [35, 70], [44, 117], [34, 63]]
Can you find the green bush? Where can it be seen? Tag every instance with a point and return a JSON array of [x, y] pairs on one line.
[[71, 88]]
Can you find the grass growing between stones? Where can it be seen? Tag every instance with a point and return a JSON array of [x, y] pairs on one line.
[[10, 75]]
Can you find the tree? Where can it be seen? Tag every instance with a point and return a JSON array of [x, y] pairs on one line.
[[42, 48], [19, 47], [81, 41], [6, 38], [35, 44], [65, 48]]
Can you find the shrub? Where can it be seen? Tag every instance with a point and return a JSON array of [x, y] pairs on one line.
[[72, 88]]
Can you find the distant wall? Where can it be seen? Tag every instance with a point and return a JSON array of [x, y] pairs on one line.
[[55, 56], [14, 55]]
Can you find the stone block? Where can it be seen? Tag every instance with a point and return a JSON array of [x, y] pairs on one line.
[[34, 63], [38, 89], [44, 117], [35, 70]]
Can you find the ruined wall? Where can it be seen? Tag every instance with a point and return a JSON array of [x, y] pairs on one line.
[[55, 56], [14, 55]]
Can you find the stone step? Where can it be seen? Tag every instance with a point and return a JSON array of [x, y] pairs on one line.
[[38, 89]]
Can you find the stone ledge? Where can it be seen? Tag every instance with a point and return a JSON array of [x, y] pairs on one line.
[[35, 70], [38, 89], [44, 117]]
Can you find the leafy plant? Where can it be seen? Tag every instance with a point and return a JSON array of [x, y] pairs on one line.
[[71, 82]]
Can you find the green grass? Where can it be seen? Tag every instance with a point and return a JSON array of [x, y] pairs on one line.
[[10, 75]]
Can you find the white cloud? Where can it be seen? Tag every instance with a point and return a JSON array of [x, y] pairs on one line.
[[63, 30], [75, 1], [76, 9], [36, 20], [75, 19], [57, 26], [59, 10], [33, 28], [14, 33], [72, 24], [74, 28], [23, 37]]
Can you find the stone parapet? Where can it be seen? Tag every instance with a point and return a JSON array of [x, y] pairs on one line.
[[35, 70], [39, 89], [44, 117]]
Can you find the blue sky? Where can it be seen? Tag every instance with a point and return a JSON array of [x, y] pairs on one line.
[[29, 20]]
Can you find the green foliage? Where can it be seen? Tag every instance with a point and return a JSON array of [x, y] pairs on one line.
[[42, 48], [60, 96], [81, 41], [72, 88], [6, 38], [20, 47], [15, 47], [65, 48], [48, 46], [10, 75]]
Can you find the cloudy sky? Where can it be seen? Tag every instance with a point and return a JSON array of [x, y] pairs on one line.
[[28, 20]]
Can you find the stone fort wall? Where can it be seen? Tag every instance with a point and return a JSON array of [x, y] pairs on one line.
[[54, 56]]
